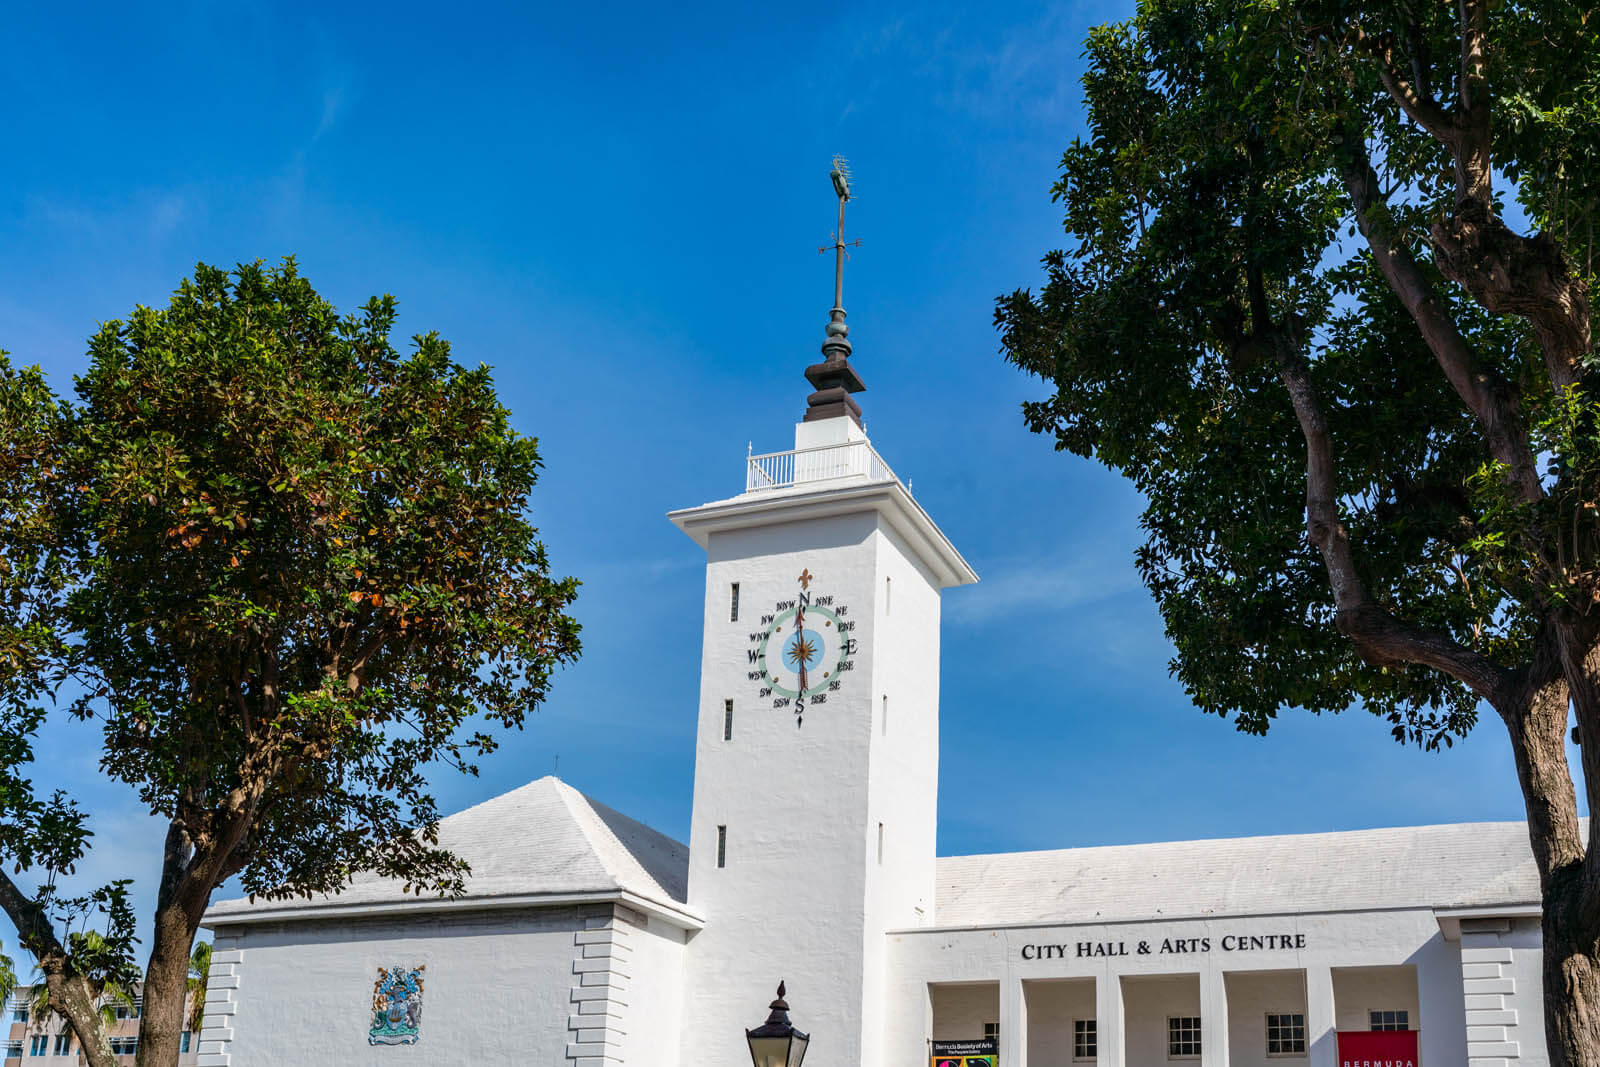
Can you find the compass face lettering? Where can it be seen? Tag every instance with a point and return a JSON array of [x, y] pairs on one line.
[[804, 649]]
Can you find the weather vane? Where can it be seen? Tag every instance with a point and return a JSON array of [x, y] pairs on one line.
[[841, 185], [834, 379]]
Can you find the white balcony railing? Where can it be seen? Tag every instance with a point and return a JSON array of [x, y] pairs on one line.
[[782, 470]]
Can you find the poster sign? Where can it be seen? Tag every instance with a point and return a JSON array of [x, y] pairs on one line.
[[985, 1053], [1377, 1048]]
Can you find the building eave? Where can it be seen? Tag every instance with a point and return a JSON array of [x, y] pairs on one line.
[[1450, 919], [886, 497], [1453, 915], [677, 914]]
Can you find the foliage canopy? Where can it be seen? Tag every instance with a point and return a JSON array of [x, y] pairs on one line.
[[1355, 381], [287, 570]]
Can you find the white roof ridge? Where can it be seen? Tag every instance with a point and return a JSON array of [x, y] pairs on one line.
[[1303, 836], [543, 837], [1440, 865], [619, 858]]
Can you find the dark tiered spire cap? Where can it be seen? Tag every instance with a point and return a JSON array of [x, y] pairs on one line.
[[834, 379]]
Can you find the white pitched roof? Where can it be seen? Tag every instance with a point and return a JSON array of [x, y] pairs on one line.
[[1454, 866], [544, 839]]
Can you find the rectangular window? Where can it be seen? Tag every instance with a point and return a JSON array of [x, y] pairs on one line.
[[124, 1046], [64, 1043], [1083, 1039], [733, 602], [13, 1050], [727, 720], [19, 1015], [722, 846], [991, 1031], [1286, 1034], [1183, 1036], [1391, 1020], [183, 1041], [39, 1044]]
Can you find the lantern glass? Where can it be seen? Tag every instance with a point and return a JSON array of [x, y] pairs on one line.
[[771, 1051], [797, 1049]]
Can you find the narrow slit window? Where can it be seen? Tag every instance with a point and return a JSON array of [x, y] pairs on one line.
[[888, 594], [880, 844], [727, 720], [722, 846], [733, 602], [883, 719]]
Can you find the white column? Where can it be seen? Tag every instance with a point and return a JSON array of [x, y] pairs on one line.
[[1013, 1024], [1322, 1038], [1108, 1024], [1213, 1019]]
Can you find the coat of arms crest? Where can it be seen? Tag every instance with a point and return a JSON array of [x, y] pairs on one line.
[[396, 1006]]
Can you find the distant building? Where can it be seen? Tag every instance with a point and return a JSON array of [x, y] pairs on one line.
[[50, 1041], [586, 939]]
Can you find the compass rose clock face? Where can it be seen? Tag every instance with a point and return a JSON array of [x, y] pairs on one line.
[[804, 650]]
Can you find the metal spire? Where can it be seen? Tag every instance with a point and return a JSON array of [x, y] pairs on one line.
[[834, 379]]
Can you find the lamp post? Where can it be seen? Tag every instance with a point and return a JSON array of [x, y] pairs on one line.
[[776, 1043]]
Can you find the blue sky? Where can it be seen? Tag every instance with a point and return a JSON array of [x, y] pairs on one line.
[[617, 207]]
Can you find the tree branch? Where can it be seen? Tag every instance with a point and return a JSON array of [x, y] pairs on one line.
[[1487, 395], [70, 994], [1413, 99], [1505, 272], [1510, 274], [1380, 637]]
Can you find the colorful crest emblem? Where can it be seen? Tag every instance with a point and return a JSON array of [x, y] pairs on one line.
[[396, 1006]]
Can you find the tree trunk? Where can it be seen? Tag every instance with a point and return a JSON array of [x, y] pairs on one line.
[[166, 984], [72, 998], [1537, 723], [1571, 975], [70, 994]]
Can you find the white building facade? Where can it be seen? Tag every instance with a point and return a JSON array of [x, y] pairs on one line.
[[587, 939]]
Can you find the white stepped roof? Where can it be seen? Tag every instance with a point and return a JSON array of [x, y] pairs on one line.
[[545, 839], [1462, 865]]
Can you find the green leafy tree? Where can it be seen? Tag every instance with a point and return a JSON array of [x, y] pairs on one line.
[[8, 977], [287, 569], [1353, 380], [41, 1010], [199, 977]]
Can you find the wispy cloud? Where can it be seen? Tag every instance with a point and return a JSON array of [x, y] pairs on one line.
[[139, 217], [1020, 586], [332, 105], [1025, 70]]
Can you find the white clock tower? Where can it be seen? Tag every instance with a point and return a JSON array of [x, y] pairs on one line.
[[817, 756]]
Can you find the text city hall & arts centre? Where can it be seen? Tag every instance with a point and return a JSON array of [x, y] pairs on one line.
[[588, 939], [1166, 946]]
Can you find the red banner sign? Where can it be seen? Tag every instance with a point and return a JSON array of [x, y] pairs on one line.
[[1377, 1048]]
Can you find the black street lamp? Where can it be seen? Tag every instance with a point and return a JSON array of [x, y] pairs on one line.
[[776, 1043]]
